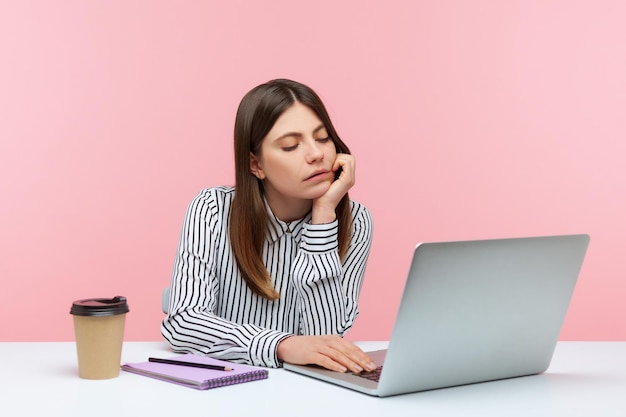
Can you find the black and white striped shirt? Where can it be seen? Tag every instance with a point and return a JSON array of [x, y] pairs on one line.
[[212, 311]]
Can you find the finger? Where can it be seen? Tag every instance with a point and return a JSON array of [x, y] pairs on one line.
[[328, 363], [366, 362], [350, 355], [344, 360], [344, 160], [347, 169], [356, 356]]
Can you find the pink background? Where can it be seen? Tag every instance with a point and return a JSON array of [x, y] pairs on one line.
[[469, 119]]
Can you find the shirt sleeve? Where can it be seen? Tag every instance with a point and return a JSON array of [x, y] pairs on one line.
[[191, 325], [328, 288]]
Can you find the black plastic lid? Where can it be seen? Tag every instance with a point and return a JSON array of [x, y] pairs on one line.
[[100, 306]]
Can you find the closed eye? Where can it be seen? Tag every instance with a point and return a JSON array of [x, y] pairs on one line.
[[289, 148], [293, 147]]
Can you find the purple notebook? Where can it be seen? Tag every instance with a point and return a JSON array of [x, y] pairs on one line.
[[197, 378]]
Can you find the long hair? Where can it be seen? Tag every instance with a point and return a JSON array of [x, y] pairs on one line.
[[249, 220]]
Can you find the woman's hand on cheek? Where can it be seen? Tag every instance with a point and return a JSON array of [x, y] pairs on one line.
[[329, 351], [324, 206]]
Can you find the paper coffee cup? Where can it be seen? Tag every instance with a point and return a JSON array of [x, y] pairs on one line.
[[99, 331]]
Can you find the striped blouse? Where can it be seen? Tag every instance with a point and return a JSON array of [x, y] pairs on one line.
[[213, 312]]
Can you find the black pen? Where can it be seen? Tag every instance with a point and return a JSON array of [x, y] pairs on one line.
[[191, 364]]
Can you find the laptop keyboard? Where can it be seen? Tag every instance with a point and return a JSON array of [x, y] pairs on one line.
[[372, 375]]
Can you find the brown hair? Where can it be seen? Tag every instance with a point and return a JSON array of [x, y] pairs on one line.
[[249, 221]]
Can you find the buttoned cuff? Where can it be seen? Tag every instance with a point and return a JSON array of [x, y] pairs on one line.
[[317, 238], [264, 346]]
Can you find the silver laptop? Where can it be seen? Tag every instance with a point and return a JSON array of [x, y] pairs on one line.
[[474, 311]]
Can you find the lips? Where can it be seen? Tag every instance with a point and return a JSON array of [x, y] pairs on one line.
[[317, 174]]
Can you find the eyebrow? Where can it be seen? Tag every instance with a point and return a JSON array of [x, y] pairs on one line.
[[298, 134]]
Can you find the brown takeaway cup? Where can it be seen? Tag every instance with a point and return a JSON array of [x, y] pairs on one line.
[[99, 332]]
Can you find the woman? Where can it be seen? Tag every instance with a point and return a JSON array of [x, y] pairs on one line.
[[270, 271]]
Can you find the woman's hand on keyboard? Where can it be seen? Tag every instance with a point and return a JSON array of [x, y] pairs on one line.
[[329, 351]]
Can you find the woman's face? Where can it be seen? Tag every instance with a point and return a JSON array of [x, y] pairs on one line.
[[295, 162]]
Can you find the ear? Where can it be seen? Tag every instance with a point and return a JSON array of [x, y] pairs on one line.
[[255, 167]]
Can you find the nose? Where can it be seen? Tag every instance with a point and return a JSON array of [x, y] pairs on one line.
[[315, 152]]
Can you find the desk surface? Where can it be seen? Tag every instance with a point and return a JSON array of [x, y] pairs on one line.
[[584, 379]]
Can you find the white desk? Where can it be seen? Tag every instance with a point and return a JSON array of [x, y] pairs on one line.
[[585, 379]]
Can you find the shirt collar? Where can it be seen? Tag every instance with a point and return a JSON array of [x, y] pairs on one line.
[[278, 228]]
